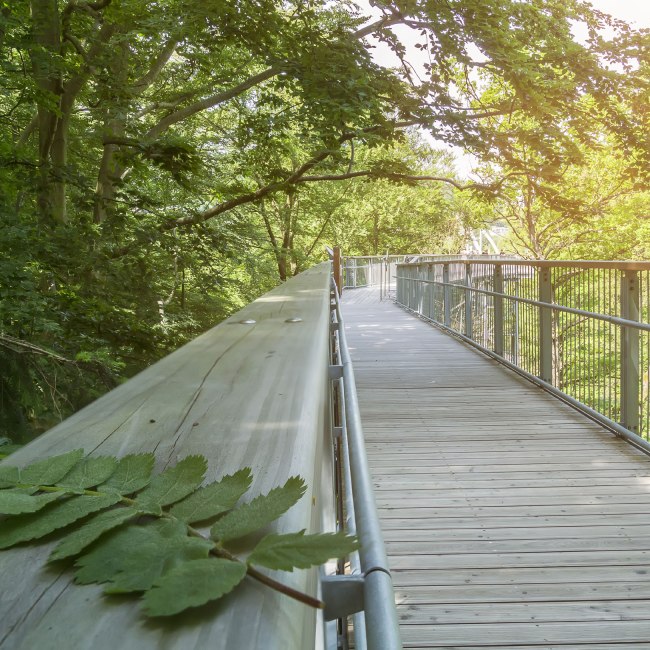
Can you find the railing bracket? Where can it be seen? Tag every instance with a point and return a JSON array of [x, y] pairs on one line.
[[335, 372], [342, 595]]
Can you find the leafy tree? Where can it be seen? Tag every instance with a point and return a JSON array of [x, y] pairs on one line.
[[159, 169]]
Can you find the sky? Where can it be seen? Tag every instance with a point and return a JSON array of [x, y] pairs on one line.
[[634, 12]]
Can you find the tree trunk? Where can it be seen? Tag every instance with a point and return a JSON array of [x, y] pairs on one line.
[[47, 43]]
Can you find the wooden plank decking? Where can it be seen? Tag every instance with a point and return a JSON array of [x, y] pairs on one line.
[[511, 520]]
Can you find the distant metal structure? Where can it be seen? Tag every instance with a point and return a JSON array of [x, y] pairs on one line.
[[481, 241]]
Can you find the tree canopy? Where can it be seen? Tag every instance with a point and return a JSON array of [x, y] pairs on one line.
[[162, 164]]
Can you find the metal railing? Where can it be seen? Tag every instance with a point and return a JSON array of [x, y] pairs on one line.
[[379, 271], [365, 590], [579, 328]]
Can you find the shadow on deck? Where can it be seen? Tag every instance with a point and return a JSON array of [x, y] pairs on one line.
[[511, 520]]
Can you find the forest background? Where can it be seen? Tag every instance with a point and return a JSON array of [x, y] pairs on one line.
[[162, 164]]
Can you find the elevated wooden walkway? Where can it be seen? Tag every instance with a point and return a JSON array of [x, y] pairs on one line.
[[511, 520]]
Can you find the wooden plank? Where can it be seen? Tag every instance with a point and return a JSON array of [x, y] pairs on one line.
[[241, 394], [525, 612], [572, 543], [522, 592], [522, 575], [511, 520], [523, 534], [499, 635], [485, 560], [491, 485]]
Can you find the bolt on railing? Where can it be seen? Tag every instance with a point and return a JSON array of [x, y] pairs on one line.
[[579, 328]]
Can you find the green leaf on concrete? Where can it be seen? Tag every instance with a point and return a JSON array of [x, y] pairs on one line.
[[64, 512], [176, 482], [91, 531], [16, 502], [133, 558], [215, 498], [132, 474], [300, 551], [89, 473], [192, 584], [259, 512]]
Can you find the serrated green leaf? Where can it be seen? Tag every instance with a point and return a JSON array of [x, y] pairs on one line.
[[90, 532], [44, 472], [259, 512], [300, 551], [89, 472], [50, 470], [133, 558], [133, 472], [213, 499], [9, 476], [17, 502], [57, 515], [176, 482], [192, 584]]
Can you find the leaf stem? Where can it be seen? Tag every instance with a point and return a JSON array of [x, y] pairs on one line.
[[286, 590], [300, 596]]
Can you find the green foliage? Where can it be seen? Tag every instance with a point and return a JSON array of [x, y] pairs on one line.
[[212, 500], [192, 584], [158, 170], [259, 512], [297, 550], [137, 543]]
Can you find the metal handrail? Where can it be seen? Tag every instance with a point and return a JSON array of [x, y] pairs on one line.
[[535, 322], [615, 320], [622, 265], [381, 624]]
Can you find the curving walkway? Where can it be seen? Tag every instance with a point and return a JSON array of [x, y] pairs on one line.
[[511, 520]]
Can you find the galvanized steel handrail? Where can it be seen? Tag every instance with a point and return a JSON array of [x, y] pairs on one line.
[[615, 320], [535, 322], [622, 265], [381, 624]]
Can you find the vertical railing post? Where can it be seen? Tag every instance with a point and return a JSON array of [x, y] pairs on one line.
[[545, 326], [446, 295], [469, 325], [338, 269], [498, 309], [430, 286], [630, 352]]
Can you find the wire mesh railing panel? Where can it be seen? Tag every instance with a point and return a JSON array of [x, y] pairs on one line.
[[580, 327]]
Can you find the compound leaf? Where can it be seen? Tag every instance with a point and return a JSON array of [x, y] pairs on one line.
[[89, 472], [91, 531], [261, 511], [300, 551], [43, 472], [133, 558], [16, 502], [192, 584], [132, 474], [22, 528], [213, 499], [175, 482]]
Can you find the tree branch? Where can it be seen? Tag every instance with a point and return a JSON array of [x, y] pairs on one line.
[[211, 101]]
